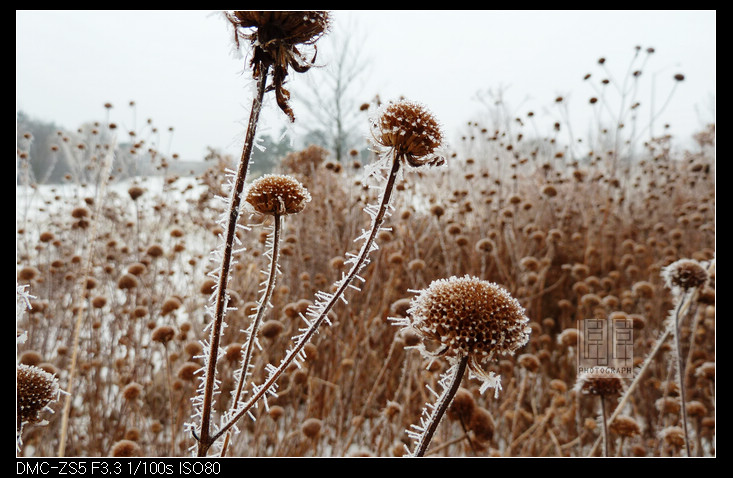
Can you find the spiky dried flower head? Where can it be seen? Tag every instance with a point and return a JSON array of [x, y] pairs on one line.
[[277, 194], [467, 316], [685, 274], [411, 131], [35, 390], [276, 39]]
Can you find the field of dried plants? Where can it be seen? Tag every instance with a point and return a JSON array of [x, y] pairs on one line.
[[116, 280]]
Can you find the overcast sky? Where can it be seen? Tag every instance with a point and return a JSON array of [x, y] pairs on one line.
[[179, 69]]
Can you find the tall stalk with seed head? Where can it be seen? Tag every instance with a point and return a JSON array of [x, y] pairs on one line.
[[413, 137], [275, 40], [276, 196], [468, 321]]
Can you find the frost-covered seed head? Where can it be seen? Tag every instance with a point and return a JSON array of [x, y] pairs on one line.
[[470, 316], [277, 194], [277, 39], [685, 274], [411, 130], [270, 28], [35, 389]]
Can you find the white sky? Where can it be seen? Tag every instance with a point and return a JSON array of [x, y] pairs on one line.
[[179, 68]]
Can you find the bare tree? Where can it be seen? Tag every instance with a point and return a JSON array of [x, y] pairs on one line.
[[330, 106]]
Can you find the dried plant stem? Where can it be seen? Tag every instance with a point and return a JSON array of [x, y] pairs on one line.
[[517, 404], [605, 426], [681, 370], [372, 392], [254, 327], [170, 400], [204, 439], [465, 436], [441, 406], [323, 310], [107, 166]]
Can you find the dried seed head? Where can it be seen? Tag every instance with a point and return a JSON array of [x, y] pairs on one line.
[[482, 424], [276, 38], [127, 281], [596, 383], [271, 329], [163, 334], [274, 29], [125, 448], [135, 192], [132, 391], [462, 406], [485, 245], [311, 428], [469, 317], [643, 289], [28, 273], [625, 426], [30, 357], [685, 274], [673, 436], [411, 131], [188, 371], [529, 362], [35, 389], [276, 194]]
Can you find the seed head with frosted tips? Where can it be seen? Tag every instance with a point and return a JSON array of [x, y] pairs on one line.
[[35, 389], [467, 316], [277, 194], [685, 274], [411, 131]]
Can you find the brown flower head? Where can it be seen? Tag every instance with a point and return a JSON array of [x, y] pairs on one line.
[[625, 426], [599, 383], [277, 39], [35, 389], [470, 317], [411, 131], [685, 274], [277, 194], [125, 448]]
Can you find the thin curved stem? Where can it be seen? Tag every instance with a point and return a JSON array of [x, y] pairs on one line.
[[303, 339], [252, 332], [204, 440], [441, 407]]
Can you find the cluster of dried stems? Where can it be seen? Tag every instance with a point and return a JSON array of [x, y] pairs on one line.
[[122, 282]]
